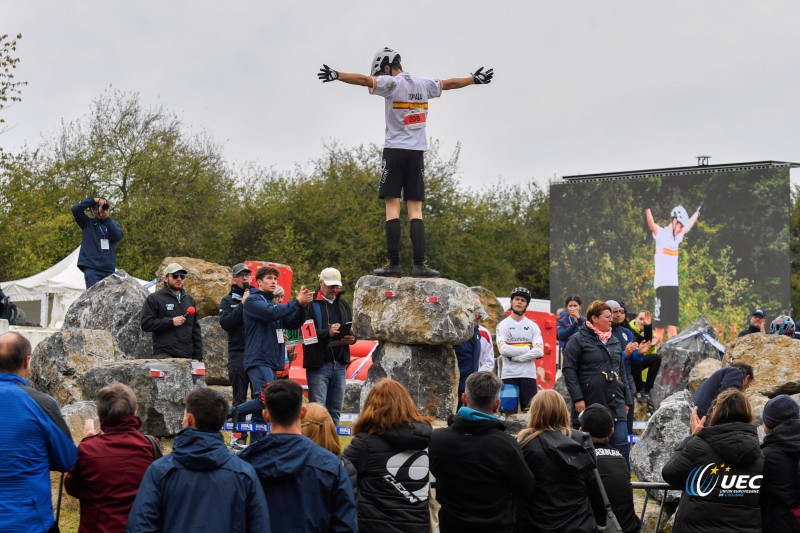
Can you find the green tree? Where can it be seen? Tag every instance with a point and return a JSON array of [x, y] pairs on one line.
[[10, 89]]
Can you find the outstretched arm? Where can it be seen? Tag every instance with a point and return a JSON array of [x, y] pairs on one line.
[[650, 222], [327, 74], [478, 78], [692, 220]]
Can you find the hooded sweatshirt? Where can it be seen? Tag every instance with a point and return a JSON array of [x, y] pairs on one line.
[[710, 467], [307, 487], [200, 486], [393, 480], [780, 491], [480, 473]]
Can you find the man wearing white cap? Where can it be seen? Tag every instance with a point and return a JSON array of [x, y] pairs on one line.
[[326, 361], [169, 314]]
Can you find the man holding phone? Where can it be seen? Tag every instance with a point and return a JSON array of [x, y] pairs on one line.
[[326, 360], [98, 256]]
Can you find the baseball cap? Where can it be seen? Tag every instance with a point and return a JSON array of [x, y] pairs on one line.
[[331, 276], [597, 421], [780, 409], [238, 268], [758, 312], [172, 268]]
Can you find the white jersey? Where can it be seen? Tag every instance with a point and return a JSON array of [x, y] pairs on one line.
[[406, 108], [519, 343], [487, 351], [666, 257]]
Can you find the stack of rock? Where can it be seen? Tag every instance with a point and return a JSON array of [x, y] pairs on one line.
[[417, 322], [101, 342]]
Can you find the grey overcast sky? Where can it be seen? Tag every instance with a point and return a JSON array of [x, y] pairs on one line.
[[580, 86]]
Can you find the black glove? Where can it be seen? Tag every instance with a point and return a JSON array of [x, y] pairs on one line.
[[483, 77], [327, 74]]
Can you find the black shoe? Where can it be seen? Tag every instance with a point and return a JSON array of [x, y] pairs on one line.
[[422, 271], [389, 271]]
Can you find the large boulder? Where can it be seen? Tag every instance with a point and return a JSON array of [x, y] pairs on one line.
[[775, 360], [680, 354], [417, 311], [493, 308], [207, 282], [352, 396], [701, 372], [114, 304], [667, 428], [430, 374], [76, 415], [161, 399], [60, 359], [215, 351]]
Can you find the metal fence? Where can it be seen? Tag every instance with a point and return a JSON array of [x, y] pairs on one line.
[[648, 486]]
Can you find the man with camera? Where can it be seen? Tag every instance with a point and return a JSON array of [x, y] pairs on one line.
[[98, 256]]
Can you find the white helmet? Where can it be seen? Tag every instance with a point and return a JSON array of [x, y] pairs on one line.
[[385, 56], [680, 213]]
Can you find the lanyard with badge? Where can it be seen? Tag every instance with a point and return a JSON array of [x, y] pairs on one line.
[[104, 242]]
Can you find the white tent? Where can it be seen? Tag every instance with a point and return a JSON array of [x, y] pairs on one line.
[[56, 287]]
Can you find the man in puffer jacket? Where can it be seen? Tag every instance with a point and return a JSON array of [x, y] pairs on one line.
[[200, 486]]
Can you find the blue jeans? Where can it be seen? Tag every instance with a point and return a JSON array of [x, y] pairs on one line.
[[92, 276], [326, 386], [619, 439], [258, 376]]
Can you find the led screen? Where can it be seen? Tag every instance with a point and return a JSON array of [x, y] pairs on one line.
[[716, 244]]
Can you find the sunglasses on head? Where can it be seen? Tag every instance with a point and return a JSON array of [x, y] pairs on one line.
[[178, 275]]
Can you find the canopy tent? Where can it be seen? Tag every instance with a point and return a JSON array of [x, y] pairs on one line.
[[56, 288]]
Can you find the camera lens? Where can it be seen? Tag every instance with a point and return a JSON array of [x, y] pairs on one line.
[[104, 207]]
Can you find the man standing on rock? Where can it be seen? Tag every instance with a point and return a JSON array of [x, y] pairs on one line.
[[166, 313], [326, 364], [402, 171], [34, 440], [98, 256], [231, 318]]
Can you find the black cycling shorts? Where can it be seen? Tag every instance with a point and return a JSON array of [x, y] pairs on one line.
[[666, 310], [402, 171]]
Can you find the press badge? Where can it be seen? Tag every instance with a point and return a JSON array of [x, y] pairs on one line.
[[279, 334], [104, 244]]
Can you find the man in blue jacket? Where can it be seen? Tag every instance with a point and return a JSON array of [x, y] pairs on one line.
[[200, 486], [231, 318], [738, 375], [98, 256], [264, 323], [34, 440], [306, 486]]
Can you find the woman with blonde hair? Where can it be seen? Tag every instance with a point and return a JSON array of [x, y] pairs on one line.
[[561, 463], [719, 469], [389, 452], [318, 426]]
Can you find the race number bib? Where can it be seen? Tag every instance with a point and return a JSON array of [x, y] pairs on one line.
[[309, 332], [415, 119]]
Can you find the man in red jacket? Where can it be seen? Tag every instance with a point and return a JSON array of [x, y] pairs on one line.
[[111, 463]]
